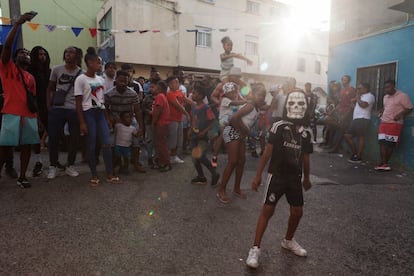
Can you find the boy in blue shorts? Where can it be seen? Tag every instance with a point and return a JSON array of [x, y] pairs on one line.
[[19, 124]]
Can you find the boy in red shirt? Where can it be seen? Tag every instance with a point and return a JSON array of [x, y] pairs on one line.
[[175, 130], [19, 124], [160, 122]]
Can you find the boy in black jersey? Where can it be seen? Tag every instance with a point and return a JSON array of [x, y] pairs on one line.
[[288, 149]]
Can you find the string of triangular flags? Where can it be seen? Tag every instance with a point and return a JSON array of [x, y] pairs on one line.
[[93, 31]]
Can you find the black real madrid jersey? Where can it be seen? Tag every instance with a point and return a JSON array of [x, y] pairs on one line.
[[289, 146]]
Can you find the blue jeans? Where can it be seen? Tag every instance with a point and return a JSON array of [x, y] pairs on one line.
[[56, 121], [98, 128]]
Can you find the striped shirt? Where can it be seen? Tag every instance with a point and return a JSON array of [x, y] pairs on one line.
[[119, 102]]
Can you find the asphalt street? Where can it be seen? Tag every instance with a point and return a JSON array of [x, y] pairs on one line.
[[356, 222]]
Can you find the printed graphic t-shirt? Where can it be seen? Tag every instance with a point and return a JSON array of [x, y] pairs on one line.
[[63, 79], [91, 90]]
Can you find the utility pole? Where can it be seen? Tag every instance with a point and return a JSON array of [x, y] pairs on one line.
[[14, 7]]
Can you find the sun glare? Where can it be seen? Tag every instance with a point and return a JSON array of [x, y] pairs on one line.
[[309, 15]]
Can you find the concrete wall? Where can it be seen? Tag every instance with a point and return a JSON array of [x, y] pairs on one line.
[[74, 13], [382, 48], [352, 19], [180, 49]]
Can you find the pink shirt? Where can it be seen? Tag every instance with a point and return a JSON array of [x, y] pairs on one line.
[[394, 104]]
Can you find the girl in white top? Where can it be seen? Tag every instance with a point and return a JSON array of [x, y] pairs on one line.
[[229, 105], [89, 93], [234, 137]]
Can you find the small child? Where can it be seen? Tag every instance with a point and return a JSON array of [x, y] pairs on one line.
[[226, 58], [202, 121], [160, 122], [124, 132], [230, 104]]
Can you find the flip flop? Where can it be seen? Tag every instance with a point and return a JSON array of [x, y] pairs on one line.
[[241, 195], [113, 180], [225, 200], [94, 182]]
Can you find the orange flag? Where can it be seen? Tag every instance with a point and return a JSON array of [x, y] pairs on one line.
[[33, 26], [5, 20]]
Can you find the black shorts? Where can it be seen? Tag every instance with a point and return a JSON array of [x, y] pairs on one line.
[[230, 134], [359, 127], [277, 186]]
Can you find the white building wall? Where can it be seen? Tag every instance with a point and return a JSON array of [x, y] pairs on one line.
[[163, 49]]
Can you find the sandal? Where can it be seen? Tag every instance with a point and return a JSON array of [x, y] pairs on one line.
[[94, 182], [113, 180], [224, 200]]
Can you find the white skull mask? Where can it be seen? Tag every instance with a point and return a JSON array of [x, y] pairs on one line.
[[296, 105]]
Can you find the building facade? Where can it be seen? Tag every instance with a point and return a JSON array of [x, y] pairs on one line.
[[61, 16], [372, 41], [188, 34]]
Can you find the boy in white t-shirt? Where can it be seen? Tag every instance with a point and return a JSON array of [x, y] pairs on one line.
[[124, 133], [364, 101]]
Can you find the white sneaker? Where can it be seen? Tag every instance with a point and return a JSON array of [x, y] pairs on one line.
[[293, 246], [177, 160], [51, 173], [70, 170], [253, 258]]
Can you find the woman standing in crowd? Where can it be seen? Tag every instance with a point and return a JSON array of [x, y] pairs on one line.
[[89, 93], [234, 136], [40, 69]]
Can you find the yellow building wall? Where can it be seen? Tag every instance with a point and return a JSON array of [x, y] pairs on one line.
[[71, 13]]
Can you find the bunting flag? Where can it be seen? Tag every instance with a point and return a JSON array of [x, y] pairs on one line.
[[5, 20], [76, 30], [63, 28], [33, 26], [50, 28], [170, 33], [93, 32]]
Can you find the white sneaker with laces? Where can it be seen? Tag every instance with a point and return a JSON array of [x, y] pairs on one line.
[[293, 246], [51, 173], [253, 258], [70, 170], [177, 160]]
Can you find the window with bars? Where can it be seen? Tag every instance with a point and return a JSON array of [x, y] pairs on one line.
[[251, 45], [252, 7], [376, 76], [105, 25], [203, 37], [317, 67], [301, 66]]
